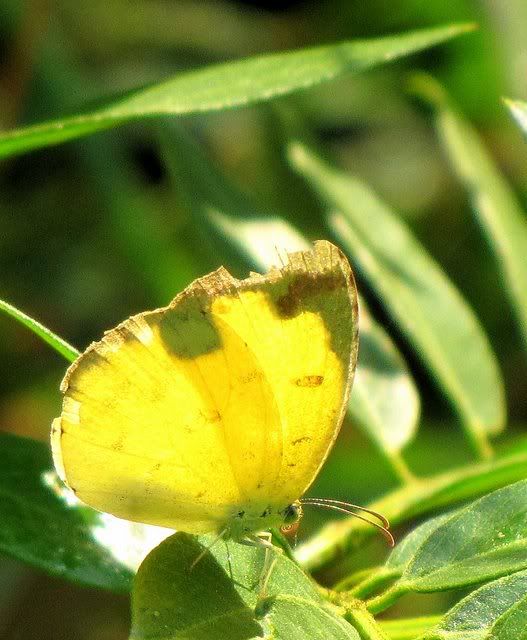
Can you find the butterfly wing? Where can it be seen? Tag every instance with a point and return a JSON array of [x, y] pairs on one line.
[[301, 322], [228, 398]]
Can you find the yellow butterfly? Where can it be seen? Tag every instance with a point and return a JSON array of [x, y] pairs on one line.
[[215, 413]]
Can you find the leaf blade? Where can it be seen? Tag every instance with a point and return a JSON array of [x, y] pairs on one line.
[[54, 341], [229, 85], [42, 529], [430, 312], [518, 109], [484, 540], [218, 597], [489, 611], [494, 203]]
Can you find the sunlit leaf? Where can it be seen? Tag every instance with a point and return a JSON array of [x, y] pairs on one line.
[[518, 108], [230, 85], [218, 596], [428, 309], [495, 205], [417, 498], [48, 529], [497, 610], [484, 540], [407, 547]]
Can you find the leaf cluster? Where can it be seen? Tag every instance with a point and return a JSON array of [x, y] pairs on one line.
[[480, 546]]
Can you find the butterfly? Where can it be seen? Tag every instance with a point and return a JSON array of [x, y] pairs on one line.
[[216, 412]]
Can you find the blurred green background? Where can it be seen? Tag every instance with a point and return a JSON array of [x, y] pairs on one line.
[[95, 230]]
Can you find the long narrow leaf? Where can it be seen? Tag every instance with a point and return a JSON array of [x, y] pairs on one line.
[[60, 345], [230, 85], [428, 309], [495, 205]]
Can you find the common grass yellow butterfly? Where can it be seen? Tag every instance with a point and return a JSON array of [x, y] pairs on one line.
[[215, 413]]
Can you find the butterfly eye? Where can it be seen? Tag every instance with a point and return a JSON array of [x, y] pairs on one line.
[[292, 514]]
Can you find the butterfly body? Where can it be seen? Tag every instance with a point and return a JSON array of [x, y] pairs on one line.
[[216, 412]]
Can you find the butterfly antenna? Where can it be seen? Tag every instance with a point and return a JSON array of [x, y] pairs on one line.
[[346, 507], [202, 554]]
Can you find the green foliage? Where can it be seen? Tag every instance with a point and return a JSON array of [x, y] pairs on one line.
[[416, 292], [45, 528], [226, 86], [479, 546], [219, 595]]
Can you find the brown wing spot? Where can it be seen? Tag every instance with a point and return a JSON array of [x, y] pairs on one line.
[[252, 376], [300, 440], [309, 381], [118, 444], [304, 286], [212, 415]]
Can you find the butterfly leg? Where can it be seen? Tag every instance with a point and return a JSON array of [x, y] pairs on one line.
[[271, 555], [201, 555]]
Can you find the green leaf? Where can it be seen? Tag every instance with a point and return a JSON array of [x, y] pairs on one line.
[[495, 205], [60, 345], [384, 399], [405, 550], [484, 540], [45, 530], [415, 499], [497, 610], [518, 109], [231, 85], [429, 310], [396, 563], [218, 596]]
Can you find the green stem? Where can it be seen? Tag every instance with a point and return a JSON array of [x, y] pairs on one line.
[[348, 583], [374, 582], [408, 628], [365, 624], [60, 345], [385, 600], [415, 499], [399, 467], [480, 444]]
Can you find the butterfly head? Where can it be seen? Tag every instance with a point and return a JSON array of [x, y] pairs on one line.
[[249, 521]]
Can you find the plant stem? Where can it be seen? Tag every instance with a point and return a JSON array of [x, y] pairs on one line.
[[54, 341], [351, 581], [365, 624], [417, 498], [399, 467], [374, 582], [408, 628], [385, 600]]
